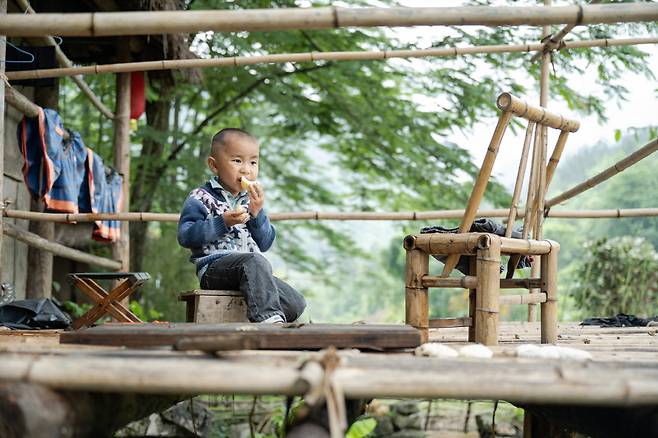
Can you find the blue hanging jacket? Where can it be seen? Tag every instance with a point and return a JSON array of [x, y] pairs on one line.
[[40, 140], [101, 194], [65, 191]]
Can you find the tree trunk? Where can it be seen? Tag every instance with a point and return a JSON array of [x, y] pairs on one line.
[[150, 159], [40, 276]]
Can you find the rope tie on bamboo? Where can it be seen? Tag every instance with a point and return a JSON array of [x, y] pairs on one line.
[[326, 389]]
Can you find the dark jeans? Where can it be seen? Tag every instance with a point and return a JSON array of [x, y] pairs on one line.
[[251, 274]]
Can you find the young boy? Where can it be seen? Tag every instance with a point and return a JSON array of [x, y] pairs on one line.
[[226, 228]]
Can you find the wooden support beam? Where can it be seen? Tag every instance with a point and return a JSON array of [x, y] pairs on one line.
[[159, 22], [549, 268], [39, 242], [235, 61], [451, 322], [3, 47], [121, 248], [488, 289], [416, 296]]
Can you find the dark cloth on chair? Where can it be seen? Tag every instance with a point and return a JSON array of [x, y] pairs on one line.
[[482, 225], [619, 320]]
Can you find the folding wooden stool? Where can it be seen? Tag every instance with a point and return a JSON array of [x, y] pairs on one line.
[[484, 250], [107, 302]]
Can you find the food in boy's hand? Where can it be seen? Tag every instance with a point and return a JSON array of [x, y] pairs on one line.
[[246, 183]]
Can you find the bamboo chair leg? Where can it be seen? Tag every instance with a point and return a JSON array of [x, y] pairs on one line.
[[555, 157], [488, 290], [549, 266], [472, 294], [480, 186], [416, 296]]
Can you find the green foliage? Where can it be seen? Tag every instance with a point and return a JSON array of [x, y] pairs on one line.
[[76, 310], [617, 275], [144, 314], [361, 428]]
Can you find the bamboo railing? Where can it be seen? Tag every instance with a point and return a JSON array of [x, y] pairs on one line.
[[236, 61], [334, 216], [611, 171], [159, 22]]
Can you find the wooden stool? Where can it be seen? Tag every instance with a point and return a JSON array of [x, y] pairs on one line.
[[484, 252], [214, 306], [107, 302]]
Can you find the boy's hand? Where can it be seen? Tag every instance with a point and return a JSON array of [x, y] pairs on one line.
[[235, 217], [256, 199]]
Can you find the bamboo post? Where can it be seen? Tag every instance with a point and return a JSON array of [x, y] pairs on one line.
[[611, 171], [472, 297], [3, 47], [488, 289], [251, 20], [555, 157], [480, 186], [519, 179], [36, 241], [374, 55], [121, 248], [416, 295], [549, 268]]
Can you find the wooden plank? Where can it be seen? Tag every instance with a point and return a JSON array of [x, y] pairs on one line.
[[274, 336], [451, 322]]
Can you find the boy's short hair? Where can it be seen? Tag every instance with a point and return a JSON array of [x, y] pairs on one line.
[[222, 137]]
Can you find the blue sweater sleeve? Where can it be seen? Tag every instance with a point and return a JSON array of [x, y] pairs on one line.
[[196, 228], [262, 231]]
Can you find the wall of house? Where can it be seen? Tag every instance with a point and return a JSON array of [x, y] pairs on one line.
[[14, 253]]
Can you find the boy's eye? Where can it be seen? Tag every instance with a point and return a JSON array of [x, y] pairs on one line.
[[254, 163]]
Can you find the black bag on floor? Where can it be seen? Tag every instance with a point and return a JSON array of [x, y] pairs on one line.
[[33, 314]]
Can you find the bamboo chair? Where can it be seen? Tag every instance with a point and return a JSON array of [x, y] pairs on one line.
[[484, 250]]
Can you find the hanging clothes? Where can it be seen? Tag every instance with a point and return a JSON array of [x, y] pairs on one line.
[[101, 193], [66, 188], [40, 140]]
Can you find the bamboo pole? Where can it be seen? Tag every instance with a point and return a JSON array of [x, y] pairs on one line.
[[416, 295], [39, 242], [533, 298], [539, 114], [446, 243], [334, 216], [480, 186], [64, 61], [121, 248], [519, 179], [549, 268], [312, 57], [470, 282], [488, 289], [555, 157], [3, 47], [159, 22], [472, 296], [611, 171]]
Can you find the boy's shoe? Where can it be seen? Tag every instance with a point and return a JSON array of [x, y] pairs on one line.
[[274, 319]]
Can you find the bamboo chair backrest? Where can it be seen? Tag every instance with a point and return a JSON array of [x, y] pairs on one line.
[[539, 120]]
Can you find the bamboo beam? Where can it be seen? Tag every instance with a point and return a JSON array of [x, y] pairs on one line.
[[611, 171], [159, 22], [334, 216], [555, 157], [121, 248], [416, 295], [451, 322], [488, 289], [533, 298], [519, 180], [539, 114], [470, 282], [446, 243], [549, 268], [480, 185], [236, 61], [58, 249], [64, 61], [3, 47]]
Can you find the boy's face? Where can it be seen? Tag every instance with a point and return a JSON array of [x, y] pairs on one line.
[[236, 158]]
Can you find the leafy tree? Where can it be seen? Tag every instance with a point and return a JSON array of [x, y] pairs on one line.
[[336, 135], [617, 275]]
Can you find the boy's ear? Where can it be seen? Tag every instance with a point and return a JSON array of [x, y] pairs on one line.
[[212, 164]]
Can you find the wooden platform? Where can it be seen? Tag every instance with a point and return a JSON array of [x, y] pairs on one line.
[[623, 372]]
